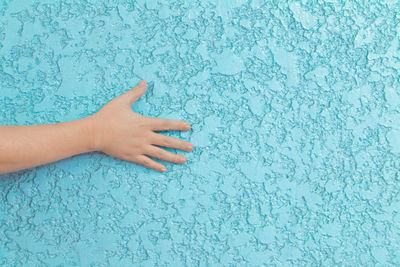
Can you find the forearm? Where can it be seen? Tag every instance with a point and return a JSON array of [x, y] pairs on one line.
[[23, 147]]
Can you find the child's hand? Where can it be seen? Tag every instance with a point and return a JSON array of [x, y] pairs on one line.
[[124, 134]]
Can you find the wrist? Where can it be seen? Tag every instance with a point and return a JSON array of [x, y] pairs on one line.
[[92, 134]]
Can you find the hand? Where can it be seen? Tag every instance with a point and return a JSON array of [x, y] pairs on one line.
[[127, 135]]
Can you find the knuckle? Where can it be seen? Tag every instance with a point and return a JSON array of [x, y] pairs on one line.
[[182, 144], [145, 161], [177, 158], [167, 141], [150, 163], [161, 123], [158, 153]]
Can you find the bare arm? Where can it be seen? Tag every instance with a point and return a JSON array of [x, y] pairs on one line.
[[28, 146], [115, 130]]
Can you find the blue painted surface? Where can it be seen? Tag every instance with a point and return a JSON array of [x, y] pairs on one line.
[[295, 116]]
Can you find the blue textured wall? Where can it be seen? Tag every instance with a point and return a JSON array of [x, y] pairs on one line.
[[296, 126]]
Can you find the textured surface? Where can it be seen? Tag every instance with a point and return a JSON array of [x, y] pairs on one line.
[[296, 127]]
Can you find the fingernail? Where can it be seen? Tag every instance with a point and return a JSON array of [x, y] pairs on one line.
[[189, 147], [187, 126], [163, 169]]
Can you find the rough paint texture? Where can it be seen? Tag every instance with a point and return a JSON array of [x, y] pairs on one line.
[[296, 126]]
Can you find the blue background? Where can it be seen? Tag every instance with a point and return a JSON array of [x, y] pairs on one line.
[[295, 115]]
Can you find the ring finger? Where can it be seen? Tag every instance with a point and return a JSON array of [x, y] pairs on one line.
[[162, 154], [172, 142]]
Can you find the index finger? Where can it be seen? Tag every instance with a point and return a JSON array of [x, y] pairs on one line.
[[159, 124]]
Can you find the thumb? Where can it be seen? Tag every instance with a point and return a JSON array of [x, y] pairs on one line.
[[135, 93]]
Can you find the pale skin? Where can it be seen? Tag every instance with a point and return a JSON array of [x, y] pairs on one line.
[[115, 130]]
